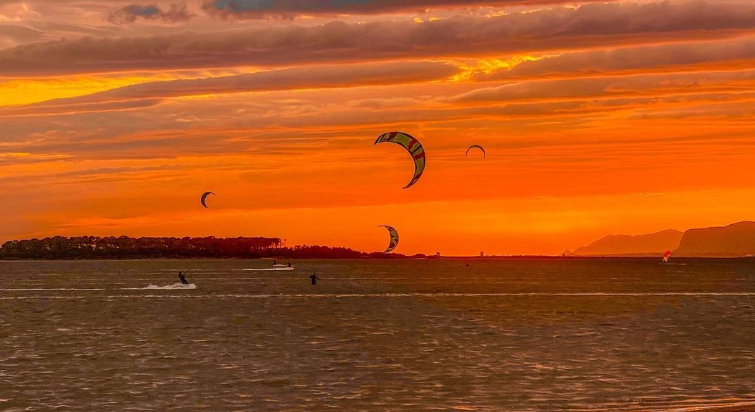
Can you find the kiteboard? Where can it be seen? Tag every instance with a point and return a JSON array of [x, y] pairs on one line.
[[173, 286]]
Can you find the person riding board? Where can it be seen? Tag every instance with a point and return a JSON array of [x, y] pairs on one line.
[[182, 278], [314, 278]]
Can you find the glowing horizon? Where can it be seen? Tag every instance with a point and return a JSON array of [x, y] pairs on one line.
[[617, 117]]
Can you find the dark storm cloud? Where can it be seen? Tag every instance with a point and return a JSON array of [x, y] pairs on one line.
[[130, 14]]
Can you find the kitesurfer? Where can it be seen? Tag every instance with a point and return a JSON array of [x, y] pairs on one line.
[[289, 263], [314, 278], [183, 278]]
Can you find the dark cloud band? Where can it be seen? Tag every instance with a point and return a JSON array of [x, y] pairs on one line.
[[286, 9], [554, 29], [130, 14]]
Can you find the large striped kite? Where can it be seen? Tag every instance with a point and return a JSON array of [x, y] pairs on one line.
[[410, 144]]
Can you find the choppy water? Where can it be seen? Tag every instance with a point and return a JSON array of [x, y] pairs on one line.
[[497, 335]]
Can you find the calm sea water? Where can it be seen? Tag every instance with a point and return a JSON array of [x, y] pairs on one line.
[[486, 335]]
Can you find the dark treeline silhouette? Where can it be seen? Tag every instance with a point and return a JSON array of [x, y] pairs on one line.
[[124, 247]]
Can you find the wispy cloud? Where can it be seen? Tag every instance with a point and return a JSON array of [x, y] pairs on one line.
[[611, 86]]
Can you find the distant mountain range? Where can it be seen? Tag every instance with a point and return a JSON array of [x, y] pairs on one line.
[[735, 240], [625, 245]]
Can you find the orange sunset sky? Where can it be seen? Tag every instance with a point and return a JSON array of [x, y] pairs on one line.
[[598, 118]]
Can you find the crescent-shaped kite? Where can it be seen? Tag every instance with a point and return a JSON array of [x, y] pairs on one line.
[[204, 198], [413, 146], [476, 146], [394, 238]]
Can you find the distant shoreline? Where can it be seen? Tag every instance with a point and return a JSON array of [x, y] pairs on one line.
[[151, 248], [128, 248]]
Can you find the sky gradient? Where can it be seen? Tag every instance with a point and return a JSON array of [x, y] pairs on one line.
[[597, 117]]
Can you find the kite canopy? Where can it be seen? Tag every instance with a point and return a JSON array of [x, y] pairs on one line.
[[476, 146], [413, 146], [394, 238], [666, 256], [204, 198]]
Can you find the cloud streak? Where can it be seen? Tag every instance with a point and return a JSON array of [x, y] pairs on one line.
[[642, 58], [288, 9], [600, 87], [143, 95]]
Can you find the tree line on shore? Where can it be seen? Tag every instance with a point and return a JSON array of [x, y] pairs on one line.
[[124, 247]]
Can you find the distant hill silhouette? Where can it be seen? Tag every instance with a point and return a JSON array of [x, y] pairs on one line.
[[624, 245], [735, 240]]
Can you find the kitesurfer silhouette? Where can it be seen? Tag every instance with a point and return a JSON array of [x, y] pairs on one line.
[[314, 278], [183, 278], [289, 263]]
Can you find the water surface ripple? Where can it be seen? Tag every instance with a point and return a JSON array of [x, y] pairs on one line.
[[477, 335]]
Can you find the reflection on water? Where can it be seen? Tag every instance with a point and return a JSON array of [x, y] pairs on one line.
[[376, 335]]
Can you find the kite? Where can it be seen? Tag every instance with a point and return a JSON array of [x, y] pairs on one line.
[[394, 238], [476, 146], [204, 198], [413, 146]]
